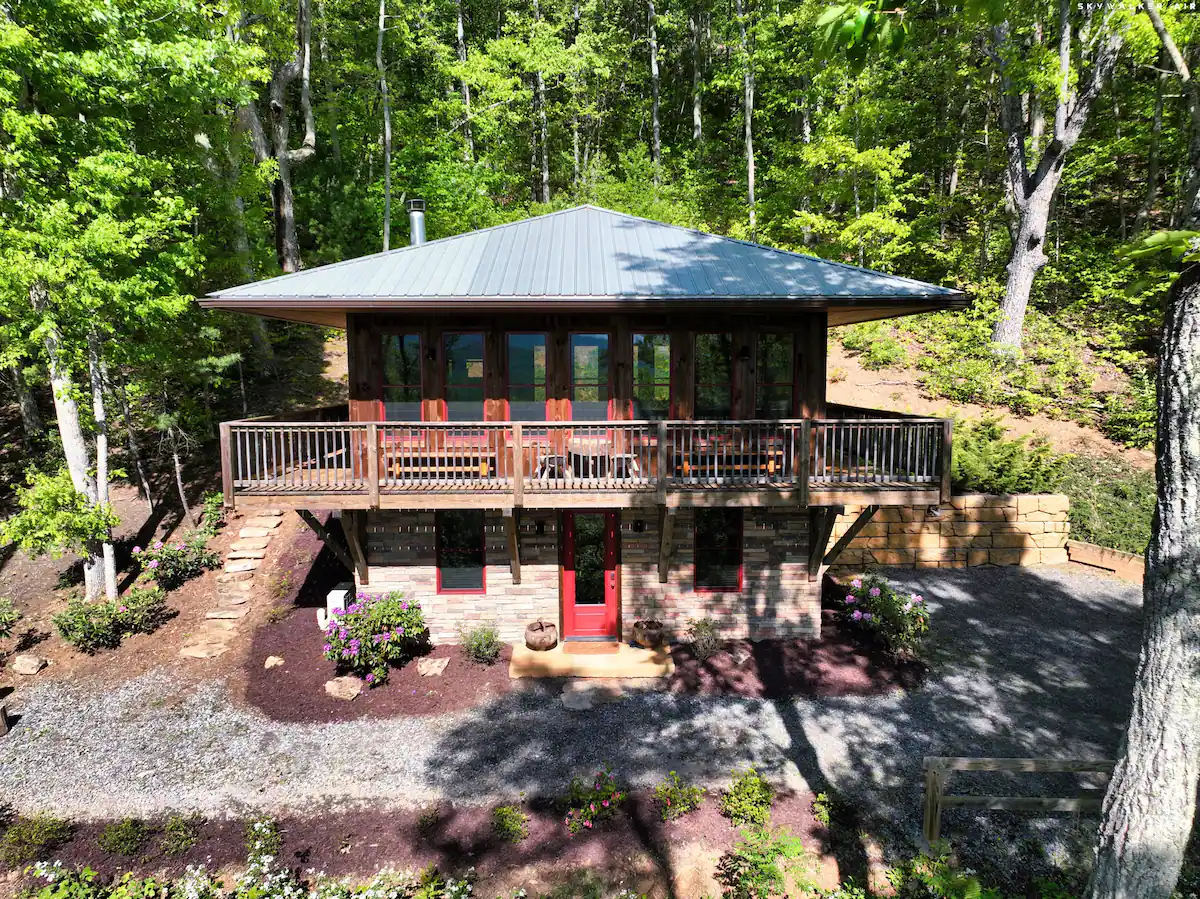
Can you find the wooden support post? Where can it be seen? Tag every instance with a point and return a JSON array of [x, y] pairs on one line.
[[661, 476], [354, 525], [947, 447], [820, 526], [518, 475], [373, 473], [666, 532], [226, 466], [859, 523], [935, 782], [319, 529], [512, 527], [804, 452]]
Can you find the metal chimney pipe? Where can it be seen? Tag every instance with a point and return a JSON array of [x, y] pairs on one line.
[[416, 222]]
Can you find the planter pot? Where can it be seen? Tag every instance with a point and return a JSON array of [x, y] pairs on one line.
[[649, 633], [541, 635]]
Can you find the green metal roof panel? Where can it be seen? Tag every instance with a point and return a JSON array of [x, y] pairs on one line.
[[586, 253]]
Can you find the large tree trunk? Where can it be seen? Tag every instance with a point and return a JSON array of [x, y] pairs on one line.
[[469, 146], [1152, 156], [655, 125], [75, 450], [697, 123], [748, 114], [1028, 257], [100, 416], [31, 419], [387, 121], [1151, 799]]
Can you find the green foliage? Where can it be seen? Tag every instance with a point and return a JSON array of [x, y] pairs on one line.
[[1132, 417], [212, 518], [824, 809], [875, 345], [932, 877], [765, 863], [509, 823], [593, 800], [375, 633], [1112, 503], [9, 616], [703, 637], [124, 837], [30, 839], [429, 818], [55, 518], [748, 799], [180, 833], [676, 797], [901, 621], [481, 643], [103, 624], [170, 566], [263, 838], [986, 461]]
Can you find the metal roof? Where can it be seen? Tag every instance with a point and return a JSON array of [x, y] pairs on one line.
[[586, 253]]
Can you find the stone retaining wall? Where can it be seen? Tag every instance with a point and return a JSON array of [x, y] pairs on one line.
[[973, 529]]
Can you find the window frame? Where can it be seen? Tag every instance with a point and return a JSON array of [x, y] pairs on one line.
[[508, 382], [670, 384], [697, 383], [790, 383], [385, 335], [697, 587], [446, 385], [607, 382], [437, 544]]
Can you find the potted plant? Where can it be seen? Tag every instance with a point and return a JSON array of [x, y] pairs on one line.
[[649, 633], [541, 635]]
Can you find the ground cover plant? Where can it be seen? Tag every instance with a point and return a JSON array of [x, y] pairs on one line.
[[593, 800], [1112, 503], [676, 797], [125, 837], [375, 633], [180, 833], [481, 643], [9, 617], [103, 624], [27, 840], [765, 862], [748, 799], [900, 620], [509, 823]]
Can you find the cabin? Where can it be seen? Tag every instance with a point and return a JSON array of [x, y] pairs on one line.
[[588, 418]]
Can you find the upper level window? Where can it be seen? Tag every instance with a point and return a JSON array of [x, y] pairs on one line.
[[401, 377], [774, 398], [714, 376], [590, 384], [651, 377], [464, 376], [527, 377], [718, 550]]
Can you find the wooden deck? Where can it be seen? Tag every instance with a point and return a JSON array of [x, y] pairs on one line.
[[612, 464]]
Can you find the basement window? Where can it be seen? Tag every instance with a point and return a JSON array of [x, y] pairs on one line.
[[718, 550], [460, 551]]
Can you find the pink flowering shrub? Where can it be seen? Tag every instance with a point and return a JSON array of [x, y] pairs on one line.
[[676, 797], [375, 633], [172, 564], [89, 626], [591, 801], [900, 620]]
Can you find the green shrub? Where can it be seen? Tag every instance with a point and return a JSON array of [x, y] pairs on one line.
[[748, 799], [593, 800], [30, 839], [509, 823], [703, 636], [89, 626], [263, 838], [676, 797], [180, 833], [932, 877], [429, 817], [963, 380], [172, 565], [886, 353], [1132, 418], [900, 620], [213, 516], [374, 633], [823, 808], [481, 643], [858, 338], [765, 863], [985, 461], [1112, 503], [9, 616], [125, 837]]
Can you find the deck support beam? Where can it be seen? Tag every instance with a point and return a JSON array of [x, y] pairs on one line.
[[859, 523], [354, 524], [666, 533], [512, 530], [820, 526], [327, 538]]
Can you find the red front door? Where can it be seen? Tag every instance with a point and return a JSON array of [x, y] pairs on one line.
[[590, 574]]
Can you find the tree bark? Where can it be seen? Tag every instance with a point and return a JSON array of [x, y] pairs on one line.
[[387, 120], [543, 125], [177, 463], [100, 416], [748, 115], [469, 146], [655, 125], [1152, 158], [135, 449], [1151, 800], [31, 419], [697, 64]]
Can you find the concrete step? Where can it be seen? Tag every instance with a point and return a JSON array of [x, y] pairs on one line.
[[627, 661]]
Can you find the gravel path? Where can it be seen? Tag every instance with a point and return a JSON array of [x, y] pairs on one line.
[[1029, 662]]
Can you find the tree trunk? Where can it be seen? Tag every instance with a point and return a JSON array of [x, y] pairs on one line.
[[100, 416], [1150, 804], [387, 121], [655, 125], [75, 450], [135, 449], [1027, 259], [748, 114], [543, 126], [31, 419], [469, 146], [1152, 155], [697, 63], [177, 462]]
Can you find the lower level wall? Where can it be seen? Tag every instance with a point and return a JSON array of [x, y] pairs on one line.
[[777, 598]]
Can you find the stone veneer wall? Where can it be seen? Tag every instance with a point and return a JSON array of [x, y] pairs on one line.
[[777, 598], [974, 529]]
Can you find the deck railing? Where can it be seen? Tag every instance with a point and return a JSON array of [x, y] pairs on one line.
[[269, 457]]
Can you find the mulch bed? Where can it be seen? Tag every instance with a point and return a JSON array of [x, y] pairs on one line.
[[356, 844]]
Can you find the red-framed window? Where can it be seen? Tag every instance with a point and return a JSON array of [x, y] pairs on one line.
[[461, 551], [401, 394], [652, 377], [591, 377], [526, 377], [714, 376], [776, 393], [463, 354], [718, 551]]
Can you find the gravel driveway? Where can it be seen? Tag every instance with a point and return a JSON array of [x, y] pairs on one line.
[[1029, 662]]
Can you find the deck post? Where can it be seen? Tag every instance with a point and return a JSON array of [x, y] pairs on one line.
[[934, 784], [666, 534], [512, 531], [804, 453], [518, 475], [859, 523], [373, 473], [947, 447], [661, 474], [226, 465], [319, 529]]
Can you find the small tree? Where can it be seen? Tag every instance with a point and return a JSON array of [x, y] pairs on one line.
[[55, 518]]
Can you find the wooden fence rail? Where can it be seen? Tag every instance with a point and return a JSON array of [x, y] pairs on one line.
[[938, 770]]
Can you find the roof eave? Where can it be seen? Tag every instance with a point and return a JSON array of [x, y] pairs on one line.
[[956, 300]]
